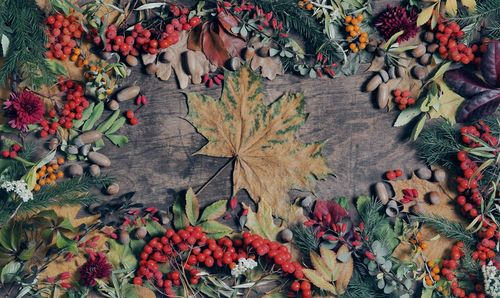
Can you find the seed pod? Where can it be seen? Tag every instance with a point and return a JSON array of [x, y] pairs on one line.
[[124, 237], [418, 51], [429, 36], [113, 189], [419, 72], [53, 143], [381, 192], [99, 159], [434, 198], [75, 170], [432, 47], [384, 75], [286, 235], [425, 59], [263, 52], [131, 60], [113, 105], [87, 137], [373, 83], [95, 171], [248, 53], [307, 202], [393, 208], [128, 93], [424, 173], [382, 95], [151, 69], [72, 149], [439, 175], [141, 233]]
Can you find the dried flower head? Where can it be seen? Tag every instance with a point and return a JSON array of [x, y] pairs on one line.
[[18, 187], [96, 267], [395, 19], [24, 108]]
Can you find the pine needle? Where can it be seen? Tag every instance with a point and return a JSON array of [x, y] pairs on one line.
[[451, 229], [305, 239], [438, 144], [485, 16]]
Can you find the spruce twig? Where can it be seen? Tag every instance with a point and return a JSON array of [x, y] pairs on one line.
[[305, 239], [451, 229], [438, 144]]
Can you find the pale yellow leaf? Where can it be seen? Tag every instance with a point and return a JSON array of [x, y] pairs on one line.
[[425, 15], [261, 222], [345, 270], [315, 278], [330, 259], [470, 4], [320, 266], [449, 102], [451, 7]]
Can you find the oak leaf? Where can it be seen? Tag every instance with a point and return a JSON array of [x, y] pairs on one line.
[[268, 158], [262, 223]]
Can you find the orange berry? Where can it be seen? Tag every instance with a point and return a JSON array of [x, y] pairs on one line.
[[55, 166], [435, 269], [60, 160], [362, 45], [53, 177], [353, 33], [309, 6], [364, 34], [354, 22], [348, 19], [50, 169], [352, 46], [37, 187], [349, 28], [73, 58], [431, 264], [359, 17], [424, 246], [356, 28], [60, 175], [363, 39], [41, 182]]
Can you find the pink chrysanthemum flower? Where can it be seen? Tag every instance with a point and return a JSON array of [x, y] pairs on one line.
[[24, 108]]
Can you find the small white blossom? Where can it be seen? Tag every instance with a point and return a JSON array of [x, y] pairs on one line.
[[243, 265], [20, 188], [491, 280]]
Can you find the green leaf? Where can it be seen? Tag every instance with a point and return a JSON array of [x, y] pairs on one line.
[[406, 116], [418, 128], [214, 210], [5, 237], [215, 229], [63, 241], [180, 218], [51, 214], [96, 114], [118, 140], [116, 125], [85, 115], [27, 253], [261, 222], [9, 271], [7, 129], [66, 225], [441, 70], [192, 207], [56, 67], [121, 255], [109, 121], [393, 39], [154, 228], [315, 278]]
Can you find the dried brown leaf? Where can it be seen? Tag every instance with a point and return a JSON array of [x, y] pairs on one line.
[[269, 66], [345, 270]]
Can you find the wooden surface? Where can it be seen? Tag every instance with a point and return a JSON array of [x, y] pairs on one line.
[[158, 161]]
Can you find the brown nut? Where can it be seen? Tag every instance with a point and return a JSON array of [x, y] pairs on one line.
[[113, 189]]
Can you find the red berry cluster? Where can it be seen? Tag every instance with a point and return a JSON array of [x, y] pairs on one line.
[[409, 194], [146, 40], [62, 34], [480, 130], [216, 79], [60, 280], [12, 153], [129, 114], [448, 272], [450, 48], [324, 66], [485, 249], [393, 174], [402, 98], [195, 249], [75, 104]]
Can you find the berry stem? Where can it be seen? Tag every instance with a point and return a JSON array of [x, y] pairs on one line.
[[215, 175]]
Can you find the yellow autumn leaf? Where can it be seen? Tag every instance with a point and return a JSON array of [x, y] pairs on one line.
[[320, 266], [449, 102], [268, 158], [261, 222], [330, 259], [345, 270], [316, 279], [470, 4], [425, 15], [451, 7]]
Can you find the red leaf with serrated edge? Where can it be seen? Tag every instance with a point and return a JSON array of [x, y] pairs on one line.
[[213, 46], [479, 106], [490, 64]]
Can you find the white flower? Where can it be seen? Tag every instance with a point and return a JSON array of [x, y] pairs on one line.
[[243, 265], [20, 188], [491, 280]]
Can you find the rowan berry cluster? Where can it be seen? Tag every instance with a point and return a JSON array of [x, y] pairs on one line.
[[49, 174], [12, 153], [130, 115], [450, 48], [479, 130], [62, 34], [418, 241], [358, 40], [188, 249], [402, 99], [485, 249], [145, 40], [393, 174], [433, 276], [72, 110]]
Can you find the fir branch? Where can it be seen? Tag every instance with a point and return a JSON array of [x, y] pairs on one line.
[[362, 284], [451, 229], [305, 239], [26, 53], [485, 16], [438, 144]]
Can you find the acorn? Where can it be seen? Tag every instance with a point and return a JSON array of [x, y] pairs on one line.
[[75, 170], [151, 69], [113, 189], [439, 175], [434, 197], [113, 105], [286, 235], [141, 233], [95, 171], [124, 237]]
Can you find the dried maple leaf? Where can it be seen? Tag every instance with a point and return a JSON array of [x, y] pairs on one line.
[[262, 223], [268, 158], [269, 66]]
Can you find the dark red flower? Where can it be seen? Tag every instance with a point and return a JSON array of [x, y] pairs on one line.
[[24, 108], [395, 19], [96, 267]]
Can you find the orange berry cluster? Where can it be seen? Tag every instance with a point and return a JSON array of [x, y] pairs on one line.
[[62, 34], [418, 241], [358, 40], [402, 98], [49, 174], [305, 4], [433, 273]]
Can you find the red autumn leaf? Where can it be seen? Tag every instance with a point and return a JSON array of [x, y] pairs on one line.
[[213, 46], [233, 44], [194, 39], [227, 21]]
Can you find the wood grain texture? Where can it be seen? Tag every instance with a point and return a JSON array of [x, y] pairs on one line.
[[361, 145]]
